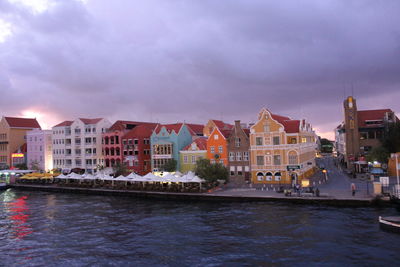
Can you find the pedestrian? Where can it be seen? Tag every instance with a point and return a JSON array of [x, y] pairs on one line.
[[353, 189], [317, 192]]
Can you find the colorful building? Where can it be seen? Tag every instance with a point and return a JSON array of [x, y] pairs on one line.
[[239, 154], [112, 144], [39, 149], [217, 146], [168, 139], [282, 150], [393, 161], [13, 136], [136, 148], [191, 153], [78, 144]]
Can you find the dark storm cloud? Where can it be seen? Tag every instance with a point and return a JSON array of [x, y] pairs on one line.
[[193, 60]]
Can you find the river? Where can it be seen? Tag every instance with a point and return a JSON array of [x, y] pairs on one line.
[[55, 229]]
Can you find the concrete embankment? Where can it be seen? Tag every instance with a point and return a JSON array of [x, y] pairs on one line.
[[328, 201]]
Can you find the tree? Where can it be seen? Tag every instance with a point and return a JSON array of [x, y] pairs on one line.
[[326, 146], [170, 166], [120, 169], [391, 140], [211, 172], [379, 154]]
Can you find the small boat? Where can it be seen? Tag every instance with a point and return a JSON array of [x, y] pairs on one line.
[[391, 224]]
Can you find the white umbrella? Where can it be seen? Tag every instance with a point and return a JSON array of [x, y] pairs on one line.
[[73, 175], [88, 176], [178, 174]]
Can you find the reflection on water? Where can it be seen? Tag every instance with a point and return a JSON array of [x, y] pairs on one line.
[[45, 229], [18, 214]]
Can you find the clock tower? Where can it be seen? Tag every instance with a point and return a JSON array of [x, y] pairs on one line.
[[351, 130]]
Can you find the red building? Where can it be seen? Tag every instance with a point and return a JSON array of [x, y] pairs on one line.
[[112, 144], [136, 148]]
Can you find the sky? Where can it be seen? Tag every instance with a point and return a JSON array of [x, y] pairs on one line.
[[187, 60]]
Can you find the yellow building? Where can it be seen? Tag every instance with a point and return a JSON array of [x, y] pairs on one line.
[[191, 153], [282, 150], [13, 136]]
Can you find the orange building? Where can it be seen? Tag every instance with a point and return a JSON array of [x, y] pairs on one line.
[[393, 160], [217, 146]]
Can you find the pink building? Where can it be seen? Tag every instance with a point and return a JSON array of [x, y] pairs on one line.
[[39, 149]]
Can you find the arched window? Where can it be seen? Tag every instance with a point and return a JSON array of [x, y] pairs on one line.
[[260, 176], [293, 159], [268, 176], [278, 176]]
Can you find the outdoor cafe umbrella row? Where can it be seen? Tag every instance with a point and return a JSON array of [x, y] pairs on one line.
[[150, 181]]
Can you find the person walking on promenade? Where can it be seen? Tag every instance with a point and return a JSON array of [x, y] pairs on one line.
[[353, 189]]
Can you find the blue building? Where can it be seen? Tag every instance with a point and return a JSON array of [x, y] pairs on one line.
[[168, 139]]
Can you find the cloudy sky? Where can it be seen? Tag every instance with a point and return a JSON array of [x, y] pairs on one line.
[[183, 60]]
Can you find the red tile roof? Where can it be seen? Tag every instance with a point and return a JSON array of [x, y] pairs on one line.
[[143, 130], [124, 125], [291, 126], [22, 123], [377, 114], [64, 123], [246, 131], [280, 118], [222, 125], [226, 133], [197, 129], [90, 121], [201, 143]]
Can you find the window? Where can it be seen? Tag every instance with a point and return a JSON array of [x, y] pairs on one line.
[[232, 170], [78, 162], [260, 176], [237, 142], [185, 159], [260, 160], [246, 156], [277, 140], [136, 141], [212, 149], [220, 149], [212, 161], [193, 159], [238, 156], [259, 141], [292, 158], [363, 135], [239, 170], [94, 140], [268, 160], [215, 136], [231, 156], [304, 140], [293, 140], [77, 151], [94, 151], [277, 159], [278, 176], [268, 176], [266, 127]]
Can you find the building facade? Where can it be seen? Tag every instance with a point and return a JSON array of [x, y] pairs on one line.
[[282, 150], [136, 148], [191, 153], [239, 154], [168, 139], [217, 146], [39, 149], [13, 136], [361, 130], [211, 124], [112, 141], [78, 144]]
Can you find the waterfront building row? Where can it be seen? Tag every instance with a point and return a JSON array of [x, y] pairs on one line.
[[275, 149]]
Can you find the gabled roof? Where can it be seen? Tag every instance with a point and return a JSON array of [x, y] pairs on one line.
[[90, 121], [64, 123], [246, 131], [280, 118], [22, 123], [222, 125], [197, 129], [366, 115], [169, 127], [143, 130], [201, 143], [224, 133]]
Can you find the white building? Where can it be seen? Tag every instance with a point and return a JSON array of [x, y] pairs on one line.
[[77, 144], [39, 149]]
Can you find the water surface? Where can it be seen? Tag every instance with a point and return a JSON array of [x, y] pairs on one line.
[[55, 229]]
